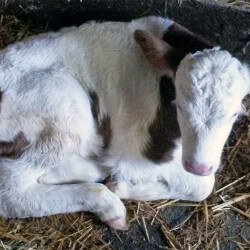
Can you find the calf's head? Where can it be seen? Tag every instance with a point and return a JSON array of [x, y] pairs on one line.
[[210, 85]]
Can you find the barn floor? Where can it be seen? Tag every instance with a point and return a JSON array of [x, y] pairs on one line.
[[220, 222]]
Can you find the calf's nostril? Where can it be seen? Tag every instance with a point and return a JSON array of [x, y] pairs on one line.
[[197, 169]]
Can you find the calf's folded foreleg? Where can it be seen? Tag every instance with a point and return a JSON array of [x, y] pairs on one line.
[[22, 196]]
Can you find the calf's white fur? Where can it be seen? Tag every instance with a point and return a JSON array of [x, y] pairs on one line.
[[53, 125]]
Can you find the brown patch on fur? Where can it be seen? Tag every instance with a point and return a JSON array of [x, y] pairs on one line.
[[184, 40], [46, 133], [167, 52], [105, 131], [14, 149], [95, 109], [103, 125], [164, 130], [155, 50], [1, 96]]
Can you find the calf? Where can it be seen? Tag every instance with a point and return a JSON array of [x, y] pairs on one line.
[[146, 102]]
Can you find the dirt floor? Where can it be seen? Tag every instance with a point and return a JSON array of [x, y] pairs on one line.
[[220, 222]]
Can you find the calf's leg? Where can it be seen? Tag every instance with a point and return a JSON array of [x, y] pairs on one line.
[[171, 182], [22, 196], [74, 170]]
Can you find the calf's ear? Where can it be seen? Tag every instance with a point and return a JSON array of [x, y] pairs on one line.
[[159, 53], [183, 39]]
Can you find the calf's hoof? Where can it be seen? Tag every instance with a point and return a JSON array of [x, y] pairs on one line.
[[118, 224]]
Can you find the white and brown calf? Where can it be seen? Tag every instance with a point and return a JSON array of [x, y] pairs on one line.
[[85, 103]]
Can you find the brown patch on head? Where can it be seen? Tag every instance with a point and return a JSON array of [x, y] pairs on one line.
[[164, 130], [15, 148], [184, 40], [103, 124], [160, 54], [167, 52]]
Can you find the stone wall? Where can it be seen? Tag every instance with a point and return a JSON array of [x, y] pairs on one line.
[[221, 24]]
